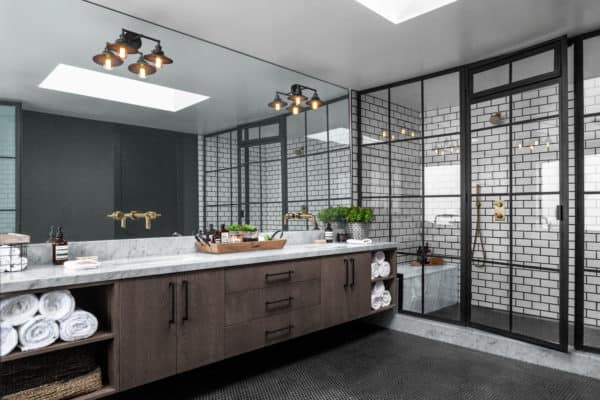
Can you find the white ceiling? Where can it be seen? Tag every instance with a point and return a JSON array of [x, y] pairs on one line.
[[343, 42], [38, 35]]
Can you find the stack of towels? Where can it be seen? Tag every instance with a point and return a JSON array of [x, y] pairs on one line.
[[380, 267], [380, 297], [11, 260], [32, 323]]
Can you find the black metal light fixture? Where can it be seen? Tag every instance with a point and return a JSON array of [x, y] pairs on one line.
[[296, 97], [130, 42]]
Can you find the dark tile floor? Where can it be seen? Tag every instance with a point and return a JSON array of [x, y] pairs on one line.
[[364, 362]]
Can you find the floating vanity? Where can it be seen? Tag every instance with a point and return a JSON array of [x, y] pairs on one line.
[[160, 316]]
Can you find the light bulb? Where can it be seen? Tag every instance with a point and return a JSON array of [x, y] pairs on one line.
[[107, 64], [277, 106], [403, 131], [393, 137], [142, 73], [412, 134], [547, 145], [297, 100], [520, 145], [296, 110], [536, 143], [314, 105], [122, 52], [437, 151], [158, 62], [531, 147], [384, 134]]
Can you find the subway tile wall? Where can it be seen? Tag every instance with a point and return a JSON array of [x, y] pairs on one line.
[[7, 168]]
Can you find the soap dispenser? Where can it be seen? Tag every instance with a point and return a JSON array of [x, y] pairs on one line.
[[60, 248], [328, 233]]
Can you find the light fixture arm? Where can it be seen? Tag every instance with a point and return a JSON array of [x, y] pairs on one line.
[[136, 35]]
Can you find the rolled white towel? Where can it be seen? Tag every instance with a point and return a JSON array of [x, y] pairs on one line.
[[378, 289], [16, 264], [386, 298], [4, 260], [379, 257], [374, 270], [376, 302], [17, 310], [80, 325], [38, 332], [57, 305], [9, 251], [9, 338], [385, 269]]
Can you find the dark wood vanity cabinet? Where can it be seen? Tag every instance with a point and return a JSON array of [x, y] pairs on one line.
[[346, 288], [169, 324]]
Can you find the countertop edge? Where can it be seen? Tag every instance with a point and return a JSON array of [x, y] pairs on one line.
[[50, 277]]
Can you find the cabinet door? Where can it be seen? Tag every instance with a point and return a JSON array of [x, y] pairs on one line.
[[335, 291], [360, 285], [148, 330], [200, 319]]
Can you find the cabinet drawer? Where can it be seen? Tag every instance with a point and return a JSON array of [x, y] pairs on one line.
[[268, 275], [251, 304], [262, 332]]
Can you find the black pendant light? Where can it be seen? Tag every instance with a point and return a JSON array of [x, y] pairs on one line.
[[142, 68], [127, 43], [277, 103], [296, 96], [107, 59], [157, 57]]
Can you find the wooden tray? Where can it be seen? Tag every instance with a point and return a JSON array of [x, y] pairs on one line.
[[435, 262], [223, 248], [14, 238]]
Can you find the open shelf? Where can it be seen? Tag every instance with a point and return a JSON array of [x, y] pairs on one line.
[[98, 394], [99, 336], [390, 307], [383, 279]]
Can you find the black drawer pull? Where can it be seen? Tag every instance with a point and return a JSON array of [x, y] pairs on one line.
[[172, 293], [285, 331], [186, 301], [279, 276], [353, 272], [346, 265], [279, 303]]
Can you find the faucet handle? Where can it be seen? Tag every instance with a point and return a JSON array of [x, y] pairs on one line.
[[149, 216], [116, 215]]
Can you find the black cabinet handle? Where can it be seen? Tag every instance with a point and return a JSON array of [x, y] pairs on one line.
[[186, 301], [353, 272], [346, 265], [172, 292], [285, 331], [279, 303], [279, 276]]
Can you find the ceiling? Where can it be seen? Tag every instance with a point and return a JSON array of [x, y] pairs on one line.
[[343, 42], [43, 34]]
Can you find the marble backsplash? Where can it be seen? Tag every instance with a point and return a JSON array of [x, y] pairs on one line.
[[40, 253]]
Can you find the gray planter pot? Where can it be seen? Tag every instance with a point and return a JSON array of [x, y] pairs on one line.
[[358, 230]]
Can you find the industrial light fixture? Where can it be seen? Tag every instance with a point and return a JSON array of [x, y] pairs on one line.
[[296, 97], [130, 42]]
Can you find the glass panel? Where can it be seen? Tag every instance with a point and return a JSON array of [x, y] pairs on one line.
[[7, 184], [296, 135], [489, 113], [340, 184], [442, 166], [374, 117], [224, 215], [318, 182], [405, 111], [316, 124], [490, 295], [272, 217], [536, 103], [407, 168], [7, 131], [254, 183], [407, 224], [380, 226], [296, 224], [536, 156], [267, 131], [490, 152], [211, 188], [253, 133], [254, 215], [490, 78], [7, 221], [211, 149], [592, 154], [592, 236], [533, 66], [211, 216], [224, 150], [442, 226], [314, 207], [375, 168], [591, 307], [296, 175], [271, 151], [490, 238], [339, 132], [591, 75], [271, 181], [442, 105]]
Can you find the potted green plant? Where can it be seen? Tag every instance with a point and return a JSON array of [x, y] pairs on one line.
[[336, 216], [241, 233], [358, 219]]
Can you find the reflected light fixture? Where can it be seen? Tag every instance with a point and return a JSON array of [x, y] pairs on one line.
[[130, 42], [296, 97]]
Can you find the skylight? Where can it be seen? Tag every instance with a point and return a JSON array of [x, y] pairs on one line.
[[85, 82], [397, 11]]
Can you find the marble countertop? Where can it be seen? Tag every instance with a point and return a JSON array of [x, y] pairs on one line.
[[51, 276]]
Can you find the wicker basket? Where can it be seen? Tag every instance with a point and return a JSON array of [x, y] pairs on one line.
[[62, 390]]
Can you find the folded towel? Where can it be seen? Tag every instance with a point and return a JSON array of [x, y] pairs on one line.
[[378, 289], [16, 264], [9, 338], [80, 325], [17, 310], [356, 242], [379, 257], [385, 269], [38, 332], [374, 270], [376, 302], [57, 305], [9, 251], [386, 298], [76, 265]]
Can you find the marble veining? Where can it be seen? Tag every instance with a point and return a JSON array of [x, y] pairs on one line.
[[441, 286], [50, 276]]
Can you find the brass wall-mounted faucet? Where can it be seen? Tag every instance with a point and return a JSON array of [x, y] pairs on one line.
[[148, 216], [301, 215]]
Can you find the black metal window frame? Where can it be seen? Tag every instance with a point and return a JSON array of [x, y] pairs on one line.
[[467, 96], [17, 159], [243, 144]]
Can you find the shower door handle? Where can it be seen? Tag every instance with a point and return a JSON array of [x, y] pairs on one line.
[[559, 212]]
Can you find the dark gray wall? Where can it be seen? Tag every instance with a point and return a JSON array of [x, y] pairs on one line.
[[76, 171]]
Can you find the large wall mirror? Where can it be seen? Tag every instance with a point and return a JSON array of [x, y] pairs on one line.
[[196, 141]]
